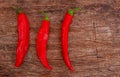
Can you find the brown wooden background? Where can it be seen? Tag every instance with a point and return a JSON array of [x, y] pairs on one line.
[[94, 38]]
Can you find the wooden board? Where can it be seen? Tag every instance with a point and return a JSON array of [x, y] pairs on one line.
[[94, 38]]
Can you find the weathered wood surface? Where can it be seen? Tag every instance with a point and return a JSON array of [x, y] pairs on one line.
[[94, 38]]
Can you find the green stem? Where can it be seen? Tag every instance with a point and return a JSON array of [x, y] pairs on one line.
[[18, 10], [71, 11], [46, 16]]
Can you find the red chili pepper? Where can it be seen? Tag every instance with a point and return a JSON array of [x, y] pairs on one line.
[[65, 28], [41, 43], [23, 37]]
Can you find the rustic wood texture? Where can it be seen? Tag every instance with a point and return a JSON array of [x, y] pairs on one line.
[[94, 38]]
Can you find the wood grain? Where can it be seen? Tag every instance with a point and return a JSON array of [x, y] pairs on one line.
[[94, 38]]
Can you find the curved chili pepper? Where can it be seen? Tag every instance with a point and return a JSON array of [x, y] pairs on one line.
[[41, 43], [65, 27], [23, 37]]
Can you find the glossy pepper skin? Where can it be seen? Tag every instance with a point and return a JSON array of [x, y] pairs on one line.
[[65, 28], [41, 43], [23, 38]]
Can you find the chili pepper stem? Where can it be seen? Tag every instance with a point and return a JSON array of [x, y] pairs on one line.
[[46, 16], [18, 10], [71, 11]]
